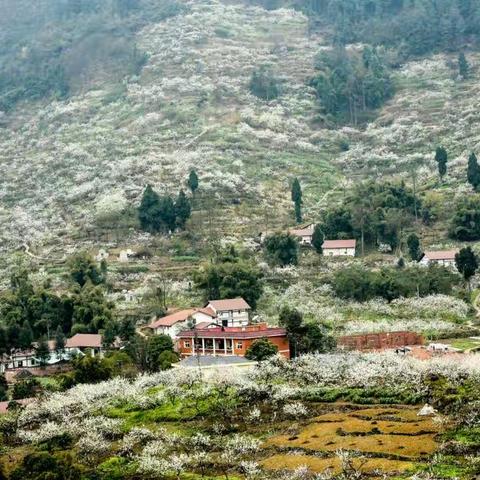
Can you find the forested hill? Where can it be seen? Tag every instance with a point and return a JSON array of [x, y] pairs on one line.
[[100, 97]]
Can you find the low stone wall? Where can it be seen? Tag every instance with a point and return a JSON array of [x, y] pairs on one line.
[[379, 341]]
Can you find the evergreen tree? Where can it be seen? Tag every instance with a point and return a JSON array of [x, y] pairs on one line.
[[317, 239], [261, 349], [25, 337], [413, 244], [167, 214], [59, 340], [441, 158], [297, 199], [127, 330], [83, 268], [473, 171], [192, 182], [109, 334], [281, 249], [463, 66], [42, 351], [149, 211], [183, 209], [466, 263]]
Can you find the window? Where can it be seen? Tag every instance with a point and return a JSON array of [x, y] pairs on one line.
[[239, 345], [224, 323], [186, 343]]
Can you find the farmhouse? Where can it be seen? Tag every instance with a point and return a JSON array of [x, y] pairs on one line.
[[232, 312], [85, 343], [335, 248], [230, 341], [172, 324], [439, 257], [303, 234]]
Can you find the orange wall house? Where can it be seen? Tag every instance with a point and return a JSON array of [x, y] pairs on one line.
[[379, 341], [229, 341]]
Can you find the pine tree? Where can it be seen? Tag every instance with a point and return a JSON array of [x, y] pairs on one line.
[[466, 263], [42, 351], [167, 214], [183, 209], [473, 171], [413, 244], [109, 334], [59, 340], [317, 239], [463, 66], [25, 337], [297, 199], [149, 211], [192, 182], [441, 158]]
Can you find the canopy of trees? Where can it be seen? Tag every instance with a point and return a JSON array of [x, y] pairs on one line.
[[465, 225]]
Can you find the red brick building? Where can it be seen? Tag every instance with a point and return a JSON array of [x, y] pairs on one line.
[[379, 341], [230, 341]]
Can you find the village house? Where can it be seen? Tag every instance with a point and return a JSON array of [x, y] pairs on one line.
[[232, 312], [439, 257], [85, 343], [335, 248], [230, 341], [172, 324], [304, 234]]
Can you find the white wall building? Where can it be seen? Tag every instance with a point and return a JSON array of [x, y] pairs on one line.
[[174, 323], [335, 248], [303, 234], [439, 257], [232, 312]]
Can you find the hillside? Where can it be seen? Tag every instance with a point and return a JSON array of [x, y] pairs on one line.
[[190, 106]]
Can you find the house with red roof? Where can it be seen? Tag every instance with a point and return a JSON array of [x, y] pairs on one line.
[[230, 341], [172, 324], [439, 257], [304, 234], [231, 312], [336, 248]]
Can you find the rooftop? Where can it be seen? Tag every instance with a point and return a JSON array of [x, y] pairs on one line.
[[252, 331], [306, 231], [180, 316], [441, 255], [339, 244], [229, 304], [85, 340]]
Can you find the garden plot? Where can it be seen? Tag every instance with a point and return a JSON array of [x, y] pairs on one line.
[[388, 440]]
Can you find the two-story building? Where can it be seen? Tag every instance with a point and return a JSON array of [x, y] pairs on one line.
[[232, 312], [230, 341]]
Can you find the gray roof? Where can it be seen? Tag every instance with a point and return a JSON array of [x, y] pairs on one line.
[[211, 361]]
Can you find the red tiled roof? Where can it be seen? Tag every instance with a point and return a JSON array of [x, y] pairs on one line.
[[233, 333], [85, 340], [202, 325], [229, 304], [441, 255], [306, 231], [339, 244], [180, 316]]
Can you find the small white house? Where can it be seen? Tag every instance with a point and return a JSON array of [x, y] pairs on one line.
[[304, 234], [102, 255], [336, 248], [439, 257], [232, 312], [174, 323], [126, 255]]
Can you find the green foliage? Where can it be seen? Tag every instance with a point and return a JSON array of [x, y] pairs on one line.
[[42, 351], [318, 238], [59, 340], [230, 280], [413, 244], [349, 83], [263, 84], [25, 389], [281, 249], [166, 358], [192, 182], [155, 347], [121, 364], [116, 468], [358, 283], [91, 370], [45, 466], [463, 66], [183, 209], [465, 224], [305, 337], [91, 310], [466, 262], [441, 158], [297, 199], [261, 349], [83, 268], [473, 171]]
